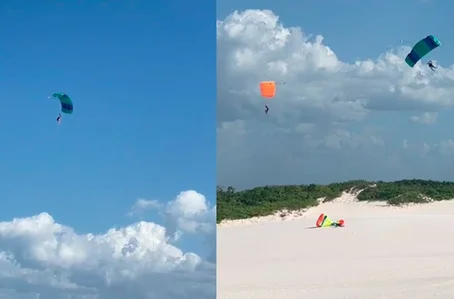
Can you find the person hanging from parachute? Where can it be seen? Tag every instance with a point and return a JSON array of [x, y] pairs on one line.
[[66, 105], [431, 65], [421, 49], [268, 91]]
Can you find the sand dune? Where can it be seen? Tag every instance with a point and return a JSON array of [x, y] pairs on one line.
[[382, 252]]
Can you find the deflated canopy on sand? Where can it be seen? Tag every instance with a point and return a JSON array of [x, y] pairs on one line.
[[65, 101], [421, 49], [324, 221]]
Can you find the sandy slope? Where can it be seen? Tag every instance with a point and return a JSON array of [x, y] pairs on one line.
[[382, 253]]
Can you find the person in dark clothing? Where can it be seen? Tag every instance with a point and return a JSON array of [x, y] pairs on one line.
[[431, 65]]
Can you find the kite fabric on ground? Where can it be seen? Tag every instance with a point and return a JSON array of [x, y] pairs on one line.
[[421, 49], [65, 101], [324, 221]]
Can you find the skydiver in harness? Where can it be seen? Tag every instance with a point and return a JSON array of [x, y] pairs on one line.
[[266, 109], [431, 65], [59, 118]]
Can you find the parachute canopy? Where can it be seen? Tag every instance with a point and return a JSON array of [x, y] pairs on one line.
[[268, 89], [324, 221], [421, 49], [65, 101]]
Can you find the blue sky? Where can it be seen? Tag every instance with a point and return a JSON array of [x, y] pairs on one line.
[[356, 31], [140, 74]]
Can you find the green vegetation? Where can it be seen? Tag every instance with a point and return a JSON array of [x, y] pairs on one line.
[[262, 201]]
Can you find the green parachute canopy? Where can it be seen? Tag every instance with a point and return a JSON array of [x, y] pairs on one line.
[[65, 101], [421, 49]]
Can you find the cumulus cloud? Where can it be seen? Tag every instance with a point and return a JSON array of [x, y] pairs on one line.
[[446, 147], [427, 118], [320, 126], [40, 258], [142, 206], [421, 149], [190, 212]]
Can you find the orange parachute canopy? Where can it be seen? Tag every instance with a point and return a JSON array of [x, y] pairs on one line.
[[268, 89]]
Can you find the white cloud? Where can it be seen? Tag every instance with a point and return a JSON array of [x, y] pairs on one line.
[[427, 118], [142, 206], [405, 144], [313, 131], [190, 212], [40, 258], [446, 147], [421, 149]]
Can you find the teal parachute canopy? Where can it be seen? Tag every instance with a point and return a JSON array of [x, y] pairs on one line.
[[421, 49], [65, 101]]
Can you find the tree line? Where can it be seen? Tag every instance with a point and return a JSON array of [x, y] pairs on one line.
[[266, 200]]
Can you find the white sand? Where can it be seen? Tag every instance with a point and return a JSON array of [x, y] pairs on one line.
[[381, 253]]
